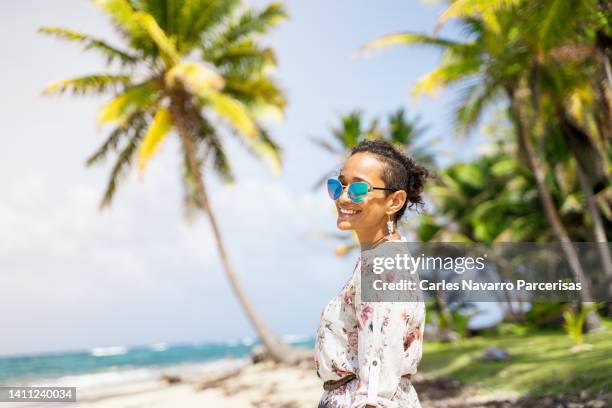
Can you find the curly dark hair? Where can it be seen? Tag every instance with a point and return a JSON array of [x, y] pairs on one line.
[[401, 172]]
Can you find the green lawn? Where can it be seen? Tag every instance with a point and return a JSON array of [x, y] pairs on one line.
[[541, 362]]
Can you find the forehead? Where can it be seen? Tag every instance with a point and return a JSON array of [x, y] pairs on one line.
[[362, 166]]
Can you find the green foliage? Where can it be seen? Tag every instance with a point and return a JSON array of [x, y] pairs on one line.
[[535, 355], [547, 52], [491, 199], [545, 314], [110, 52], [573, 321], [511, 329], [90, 84]]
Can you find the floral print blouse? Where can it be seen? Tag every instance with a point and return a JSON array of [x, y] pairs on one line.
[[379, 342]]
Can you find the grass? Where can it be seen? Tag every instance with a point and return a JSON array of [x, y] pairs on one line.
[[541, 362]]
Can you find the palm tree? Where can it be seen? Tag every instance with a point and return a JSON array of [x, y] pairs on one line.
[[185, 66], [498, 61]]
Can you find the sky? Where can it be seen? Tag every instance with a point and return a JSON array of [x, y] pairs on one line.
[[72, 277]]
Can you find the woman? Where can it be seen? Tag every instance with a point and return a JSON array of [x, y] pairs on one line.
[[365, 352]]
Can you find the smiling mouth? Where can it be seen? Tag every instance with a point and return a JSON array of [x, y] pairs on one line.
[[345, 212]]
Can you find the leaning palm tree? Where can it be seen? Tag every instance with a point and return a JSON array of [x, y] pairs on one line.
[[496, 62], [195, 69]]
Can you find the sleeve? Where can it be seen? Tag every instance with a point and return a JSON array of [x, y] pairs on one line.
[[385, 342]]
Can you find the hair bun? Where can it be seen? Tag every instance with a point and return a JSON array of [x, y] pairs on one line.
[[401, 172]]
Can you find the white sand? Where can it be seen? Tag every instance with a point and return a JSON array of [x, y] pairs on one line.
[[261, 386]]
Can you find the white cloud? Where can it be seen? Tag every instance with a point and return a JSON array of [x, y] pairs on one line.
[[61, 257]]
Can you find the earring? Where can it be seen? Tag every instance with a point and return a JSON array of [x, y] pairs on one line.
[[390, 225]]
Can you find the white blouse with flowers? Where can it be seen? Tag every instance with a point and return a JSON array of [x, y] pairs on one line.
[[379, 342]]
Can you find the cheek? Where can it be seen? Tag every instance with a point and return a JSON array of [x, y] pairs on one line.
[[373, 212]]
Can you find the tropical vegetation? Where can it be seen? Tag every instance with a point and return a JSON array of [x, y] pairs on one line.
[[548, 63]]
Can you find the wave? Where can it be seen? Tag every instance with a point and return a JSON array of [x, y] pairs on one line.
[[121, 376], [108, 351], [106, 364], [159, 347], [102, 379]]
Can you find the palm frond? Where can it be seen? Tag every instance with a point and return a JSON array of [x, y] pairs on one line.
[[263, 147], [475, 99], [406, 38], [124, 18], [244, 59], [220, 161], [403, 130], [351, 131], [132, 126], [208, 140], [234, 111], [473, 8], [559, 15], [121, 167], [89, 84], [138, 97], [110, 52], [455, 66], [260, 94], [199, 18], [166, 46], [251, 22], [160, 126]]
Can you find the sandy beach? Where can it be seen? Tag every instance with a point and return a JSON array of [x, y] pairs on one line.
[[261, 385], [267, 385]]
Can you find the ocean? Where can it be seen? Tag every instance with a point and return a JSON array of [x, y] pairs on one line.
[[106, 366]]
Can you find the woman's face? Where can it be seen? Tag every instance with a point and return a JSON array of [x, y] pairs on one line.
[[370, 214]]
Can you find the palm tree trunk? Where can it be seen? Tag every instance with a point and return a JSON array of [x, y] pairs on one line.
[[592, 320], [598, 229], [586, 175], [279, 350]]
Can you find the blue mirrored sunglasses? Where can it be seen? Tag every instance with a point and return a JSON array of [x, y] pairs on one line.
[[357, 191]]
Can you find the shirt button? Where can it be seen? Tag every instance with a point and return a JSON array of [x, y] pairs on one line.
[[374, 363]]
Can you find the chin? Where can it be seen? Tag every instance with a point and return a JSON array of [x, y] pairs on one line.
[[345, 225]]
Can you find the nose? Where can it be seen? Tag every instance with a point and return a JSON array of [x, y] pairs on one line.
[[344, 198]]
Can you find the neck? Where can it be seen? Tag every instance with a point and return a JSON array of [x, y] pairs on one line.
[[371, 238]]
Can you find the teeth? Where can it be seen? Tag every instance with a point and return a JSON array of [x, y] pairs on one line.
[[348, 212]]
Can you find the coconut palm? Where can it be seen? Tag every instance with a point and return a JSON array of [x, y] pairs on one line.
[[497, 62], [194, 69]]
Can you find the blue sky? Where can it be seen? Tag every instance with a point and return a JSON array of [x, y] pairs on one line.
[[72, 277]]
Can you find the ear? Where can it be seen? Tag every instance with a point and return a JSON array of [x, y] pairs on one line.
[[396, 201]]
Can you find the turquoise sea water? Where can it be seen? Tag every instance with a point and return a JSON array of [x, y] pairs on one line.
[[116, 364]]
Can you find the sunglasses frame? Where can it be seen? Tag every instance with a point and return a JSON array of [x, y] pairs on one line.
[[354, 198]]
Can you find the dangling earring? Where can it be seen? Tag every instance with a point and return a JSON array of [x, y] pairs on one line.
[[390, 226]]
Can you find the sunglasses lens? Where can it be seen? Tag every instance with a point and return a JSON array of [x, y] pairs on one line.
[[357, 191], [334, 188]]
